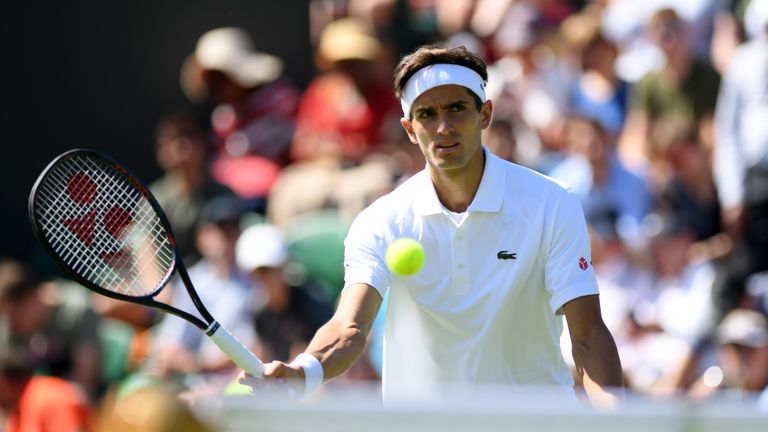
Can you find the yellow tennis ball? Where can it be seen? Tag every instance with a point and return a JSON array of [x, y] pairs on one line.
[[405, 257]]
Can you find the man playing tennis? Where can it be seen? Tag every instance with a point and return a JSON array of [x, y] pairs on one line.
[[507, 254]]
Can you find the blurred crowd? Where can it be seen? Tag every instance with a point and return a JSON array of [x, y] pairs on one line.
[[654, 112]]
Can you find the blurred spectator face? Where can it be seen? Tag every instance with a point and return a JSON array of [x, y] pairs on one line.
[[670, 251], [585, 138], [360, 71], [179, 144], [20, 314], [222, 89], [216, 240], [667, 31], [746, 366], [598, 55], [606, 246], [500, 140], [272, 280], [21, 303], [743, 336]]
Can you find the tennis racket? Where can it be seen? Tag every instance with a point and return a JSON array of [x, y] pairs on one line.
[[106, 230]]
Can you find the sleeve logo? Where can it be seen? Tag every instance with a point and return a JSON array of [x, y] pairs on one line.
[[583, 263]]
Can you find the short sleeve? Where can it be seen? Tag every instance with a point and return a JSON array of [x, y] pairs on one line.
[[364, 249], [568, 264]]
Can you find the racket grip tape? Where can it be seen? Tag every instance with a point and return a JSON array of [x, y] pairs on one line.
[[236, 351]]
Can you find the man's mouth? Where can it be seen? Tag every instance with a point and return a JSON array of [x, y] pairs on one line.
[[446, 146]]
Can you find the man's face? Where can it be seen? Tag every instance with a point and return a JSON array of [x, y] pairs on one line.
[[447, 126]]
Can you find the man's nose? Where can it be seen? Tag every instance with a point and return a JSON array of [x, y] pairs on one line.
[[444, 125]]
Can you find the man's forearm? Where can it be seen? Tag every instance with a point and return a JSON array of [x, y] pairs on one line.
[[597, 362], [339, 343], [337, 346]]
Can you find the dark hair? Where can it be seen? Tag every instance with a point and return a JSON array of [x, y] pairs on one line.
[[432, 54], [16, 363], [15, 280]]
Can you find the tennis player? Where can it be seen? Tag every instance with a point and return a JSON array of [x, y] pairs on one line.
[[507, 256]]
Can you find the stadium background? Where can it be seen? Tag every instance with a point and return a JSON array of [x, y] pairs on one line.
[[99, 74]]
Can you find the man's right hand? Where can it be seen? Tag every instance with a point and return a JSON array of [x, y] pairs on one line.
[[279, 379]]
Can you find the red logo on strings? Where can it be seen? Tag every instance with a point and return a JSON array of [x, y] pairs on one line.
[[120, 261], [116, 220], [81, 188], [82, 226]]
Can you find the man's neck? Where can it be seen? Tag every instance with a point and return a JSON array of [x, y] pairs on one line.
[[456, 189]]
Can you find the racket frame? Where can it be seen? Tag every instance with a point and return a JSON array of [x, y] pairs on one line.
[[178, 266]]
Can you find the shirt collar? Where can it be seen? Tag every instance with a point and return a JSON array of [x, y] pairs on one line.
[[488, 198]]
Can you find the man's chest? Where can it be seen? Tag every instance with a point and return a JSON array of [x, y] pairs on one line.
[[484, 258]]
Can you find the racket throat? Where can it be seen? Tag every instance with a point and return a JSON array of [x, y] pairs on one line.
[[212, 327]]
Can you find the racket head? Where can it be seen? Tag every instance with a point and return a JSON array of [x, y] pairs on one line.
[[103, 226]]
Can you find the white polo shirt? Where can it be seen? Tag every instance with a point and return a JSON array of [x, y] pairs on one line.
[[486, 307]]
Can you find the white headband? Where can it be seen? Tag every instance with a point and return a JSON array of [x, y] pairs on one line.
[[437, 75]]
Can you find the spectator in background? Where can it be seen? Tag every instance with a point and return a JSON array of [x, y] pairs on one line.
[[253, 118], [671, 324], [185, 187], [499, 137], [51, 321], [741, 163], [685, 87], [743, 339], [597, 92], [33, 403], [181, 349], [348, 118], [741, 361], [600, 180], [685, 184], [347, 110], [529, 84], [290, 314], [624, 282], [182, 152]]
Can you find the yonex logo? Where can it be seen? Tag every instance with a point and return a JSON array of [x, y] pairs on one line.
[[504, 255]]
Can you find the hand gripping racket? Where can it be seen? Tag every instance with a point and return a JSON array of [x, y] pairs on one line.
[[107, 231]]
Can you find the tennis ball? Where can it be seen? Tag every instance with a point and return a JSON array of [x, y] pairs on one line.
[[405, 256]]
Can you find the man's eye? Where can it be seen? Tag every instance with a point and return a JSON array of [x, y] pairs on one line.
[[425, 114], [457, 107]]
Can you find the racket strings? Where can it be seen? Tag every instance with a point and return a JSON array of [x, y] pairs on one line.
[[103, 228]]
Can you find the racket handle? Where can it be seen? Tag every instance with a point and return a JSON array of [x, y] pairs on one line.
[[236, 351]]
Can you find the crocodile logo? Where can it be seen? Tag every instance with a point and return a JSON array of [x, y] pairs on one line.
[[504, 255]]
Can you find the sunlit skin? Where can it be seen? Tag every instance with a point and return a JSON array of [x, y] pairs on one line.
[[447, 126]]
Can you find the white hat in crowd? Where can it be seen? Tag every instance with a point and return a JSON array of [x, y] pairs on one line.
[[348, 39], [261, 245], [744, 327], [228, 50]]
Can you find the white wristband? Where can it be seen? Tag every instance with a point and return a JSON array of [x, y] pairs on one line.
[[313, 371]]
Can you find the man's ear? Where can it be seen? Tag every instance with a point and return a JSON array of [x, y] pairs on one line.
[[486, 112], [408, 126]]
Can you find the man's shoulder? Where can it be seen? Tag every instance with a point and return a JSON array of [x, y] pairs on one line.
[[401, 196], [522, 181]]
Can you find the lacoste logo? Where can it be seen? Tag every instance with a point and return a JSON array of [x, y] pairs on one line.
[[504, 255]]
